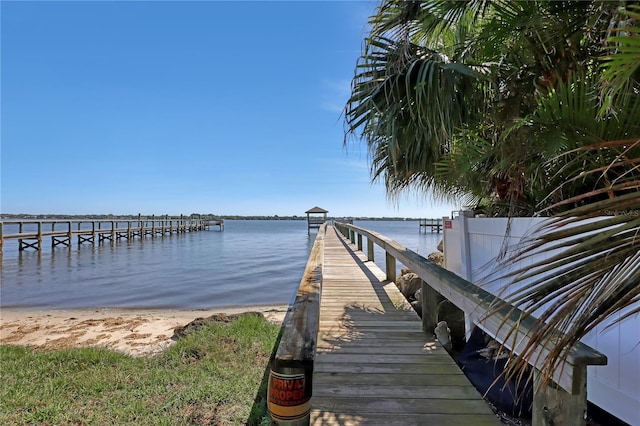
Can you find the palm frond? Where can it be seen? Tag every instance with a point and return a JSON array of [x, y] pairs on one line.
[[583, 264], [622, 64]]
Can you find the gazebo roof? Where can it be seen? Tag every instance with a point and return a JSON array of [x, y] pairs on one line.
[[316, 209]]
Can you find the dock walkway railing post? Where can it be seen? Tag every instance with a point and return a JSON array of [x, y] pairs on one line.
[[291, 369], [564, 399]]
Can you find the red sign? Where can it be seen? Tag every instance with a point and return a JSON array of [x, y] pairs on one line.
[[448, 224]]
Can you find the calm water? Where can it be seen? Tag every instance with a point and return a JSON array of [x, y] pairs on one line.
[[249, 263]]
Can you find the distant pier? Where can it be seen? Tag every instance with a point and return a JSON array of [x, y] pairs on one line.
[[435, 225], [31, 233]]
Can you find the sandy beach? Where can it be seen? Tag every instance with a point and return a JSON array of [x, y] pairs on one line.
[[137, 332]]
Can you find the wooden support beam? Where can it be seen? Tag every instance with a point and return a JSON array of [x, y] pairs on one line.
[[430, 299], [22, 244], [86, 239], [66, 241], [390, 263]]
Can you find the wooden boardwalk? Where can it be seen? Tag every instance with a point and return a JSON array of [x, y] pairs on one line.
[[374, 365]]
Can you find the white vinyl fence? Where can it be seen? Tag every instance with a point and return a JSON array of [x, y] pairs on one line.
[[471, 248]]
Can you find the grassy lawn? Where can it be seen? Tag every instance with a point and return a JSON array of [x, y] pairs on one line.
[[215, 375]]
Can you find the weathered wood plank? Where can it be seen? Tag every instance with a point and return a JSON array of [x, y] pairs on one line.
[[350, 358], [352, 313], [330, 418], [407, 405], [370, 322], [389, 391], [407, 379], [327, 366], [370, 348], [384, 345]]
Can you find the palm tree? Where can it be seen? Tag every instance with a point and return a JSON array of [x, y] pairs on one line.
[[523, 108], [392, 101], [596, 272]]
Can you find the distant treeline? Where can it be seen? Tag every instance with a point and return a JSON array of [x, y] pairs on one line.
[[5, 216]]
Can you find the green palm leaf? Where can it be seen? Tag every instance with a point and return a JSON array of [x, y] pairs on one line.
[[522, 107], [622, 65]]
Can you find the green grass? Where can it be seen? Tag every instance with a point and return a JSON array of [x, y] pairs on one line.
[[214, 376]]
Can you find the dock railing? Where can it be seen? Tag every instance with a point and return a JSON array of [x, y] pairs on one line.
[[291, 369], [30, 233], [435, 225], [564, 399]]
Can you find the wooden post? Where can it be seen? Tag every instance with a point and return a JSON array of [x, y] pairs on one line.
[[360, 242], [429, 308], [70, 233], [53, 237], [391, 267], [39, 236], [553, 406], [370, 250], [20, 247]]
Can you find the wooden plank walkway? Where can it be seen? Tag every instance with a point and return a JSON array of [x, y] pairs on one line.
[[374, 365]]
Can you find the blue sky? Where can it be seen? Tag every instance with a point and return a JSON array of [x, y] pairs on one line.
[[231, 108]]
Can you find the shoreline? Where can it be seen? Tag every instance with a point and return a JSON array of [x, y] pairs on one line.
[[134, 331]]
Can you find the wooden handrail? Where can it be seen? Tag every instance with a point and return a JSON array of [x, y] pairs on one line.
[[291, 369]]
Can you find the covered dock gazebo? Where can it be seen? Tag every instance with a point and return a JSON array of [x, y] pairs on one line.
[[315, 221]]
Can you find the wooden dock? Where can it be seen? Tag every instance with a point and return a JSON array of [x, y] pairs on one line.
[[353, 351], [31, 234], [374, 365], [434, 224]]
